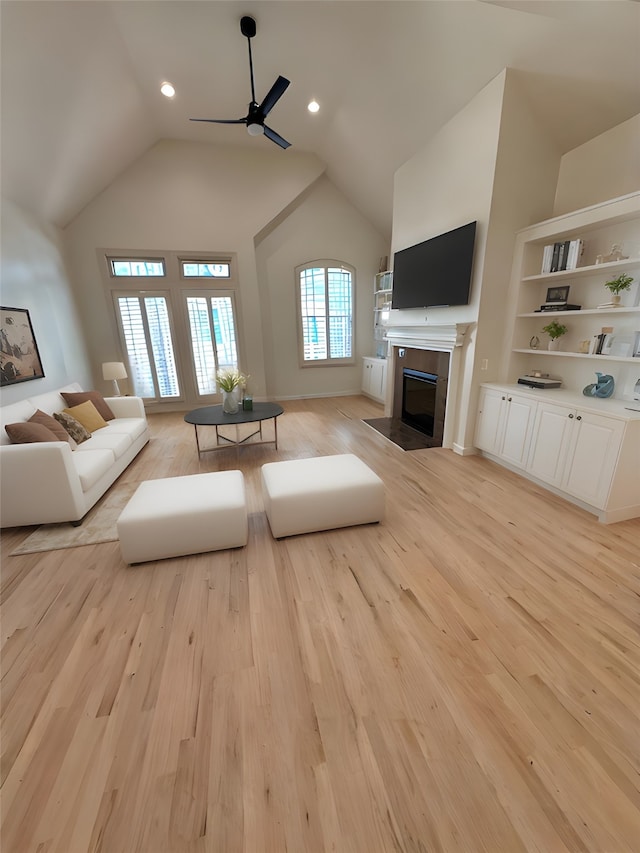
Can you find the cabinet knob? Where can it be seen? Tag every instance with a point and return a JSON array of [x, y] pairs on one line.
[[503, 398], [510, 399], [579, 418], [570, 416]]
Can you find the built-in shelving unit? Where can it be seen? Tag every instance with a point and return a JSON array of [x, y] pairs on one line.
[[583, 448], [599, 227], [374, 369]]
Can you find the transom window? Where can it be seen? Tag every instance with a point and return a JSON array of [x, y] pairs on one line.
[[205, 269], [325, 311], [128, 267]]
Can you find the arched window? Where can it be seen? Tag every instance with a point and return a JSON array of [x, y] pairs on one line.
[[325, 312]]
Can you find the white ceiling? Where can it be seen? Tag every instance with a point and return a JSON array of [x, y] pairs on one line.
[[80, 82]]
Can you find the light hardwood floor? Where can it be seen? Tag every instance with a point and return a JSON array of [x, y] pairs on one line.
[[462, 677]]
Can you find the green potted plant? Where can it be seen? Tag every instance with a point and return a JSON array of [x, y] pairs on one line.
[[618, 285], [555, 331]]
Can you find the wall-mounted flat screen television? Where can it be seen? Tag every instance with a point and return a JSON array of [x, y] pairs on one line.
[[436, 272]]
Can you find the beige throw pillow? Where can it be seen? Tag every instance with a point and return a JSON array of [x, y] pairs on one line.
[[88, 415]]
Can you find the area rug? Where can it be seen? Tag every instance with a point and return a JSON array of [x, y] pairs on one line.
[[399, 433], [99, 525]]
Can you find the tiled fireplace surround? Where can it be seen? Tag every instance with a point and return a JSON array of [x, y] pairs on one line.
[[435, 349]]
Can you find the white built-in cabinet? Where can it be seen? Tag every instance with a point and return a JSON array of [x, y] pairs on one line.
[[374, 374], [585, 449], [374, 370]]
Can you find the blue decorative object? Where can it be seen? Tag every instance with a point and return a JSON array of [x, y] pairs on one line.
[[602, 388]]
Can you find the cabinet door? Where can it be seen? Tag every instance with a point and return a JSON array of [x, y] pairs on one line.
[[593, 456], [489, 423], [373, 377], [550, 442], [377, 379], [518, 425]]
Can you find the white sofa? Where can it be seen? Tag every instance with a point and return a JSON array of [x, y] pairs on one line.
[[48, 482]]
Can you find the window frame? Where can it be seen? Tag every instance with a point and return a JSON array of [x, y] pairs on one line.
[[174, 287], [141, 294], [325, 264], [191, 293], [196, 280], [133, 257]]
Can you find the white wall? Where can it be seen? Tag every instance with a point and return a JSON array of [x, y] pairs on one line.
[[190, 197], [606, 167], [493, 163], [324, 225], [33, 276]]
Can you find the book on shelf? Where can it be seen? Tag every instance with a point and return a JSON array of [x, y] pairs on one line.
[[564, 255], [600, 339]]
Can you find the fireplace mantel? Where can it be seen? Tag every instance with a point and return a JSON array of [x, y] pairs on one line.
[[437, 337]]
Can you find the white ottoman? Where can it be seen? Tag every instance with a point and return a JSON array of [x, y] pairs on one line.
[[304, 495], [184, 515]]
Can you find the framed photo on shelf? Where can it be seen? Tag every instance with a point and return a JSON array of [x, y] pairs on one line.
[[558, 294], [19, 356]]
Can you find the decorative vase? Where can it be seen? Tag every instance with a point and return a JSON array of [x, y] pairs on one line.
[[230, 403], [615, 298], [554, 344]]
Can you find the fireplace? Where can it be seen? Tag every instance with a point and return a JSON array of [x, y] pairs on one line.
[[423, 403]]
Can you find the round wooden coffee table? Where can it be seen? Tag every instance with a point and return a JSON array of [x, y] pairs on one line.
[[216, 417]]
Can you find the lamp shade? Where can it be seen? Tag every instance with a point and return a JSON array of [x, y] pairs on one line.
[[113, 370]]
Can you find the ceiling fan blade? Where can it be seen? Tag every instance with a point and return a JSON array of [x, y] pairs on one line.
[[221, 120], [273, 95], [275, 137]]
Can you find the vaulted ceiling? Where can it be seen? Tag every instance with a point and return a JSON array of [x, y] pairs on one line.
[[81, 100]]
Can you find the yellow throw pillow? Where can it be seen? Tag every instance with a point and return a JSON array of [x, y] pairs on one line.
[[87, 414]]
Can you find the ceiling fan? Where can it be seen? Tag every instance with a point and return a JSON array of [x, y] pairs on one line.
[[254, 119]]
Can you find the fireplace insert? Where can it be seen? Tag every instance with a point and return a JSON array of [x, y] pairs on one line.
[[423, 403]]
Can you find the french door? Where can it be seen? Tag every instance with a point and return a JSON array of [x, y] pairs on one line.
[[176, 341]]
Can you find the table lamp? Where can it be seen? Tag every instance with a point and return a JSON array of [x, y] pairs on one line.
[[114, 370]]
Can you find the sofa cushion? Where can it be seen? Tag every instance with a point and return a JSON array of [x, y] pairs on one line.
[[88, 415], [116, 442], [51, 423], [28, 433], [49, 402], [75, 429], [133, 427], [92, 465], [75, 398]]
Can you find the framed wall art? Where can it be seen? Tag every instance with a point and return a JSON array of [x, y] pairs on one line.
[[19, 356]]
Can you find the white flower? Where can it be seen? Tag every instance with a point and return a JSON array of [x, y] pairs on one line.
[[231, 378]]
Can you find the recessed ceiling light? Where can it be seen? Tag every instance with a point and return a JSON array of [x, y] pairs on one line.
[[167, 90], [313, 107]]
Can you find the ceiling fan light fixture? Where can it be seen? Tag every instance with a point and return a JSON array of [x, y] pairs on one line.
[[167, 90], [255, 129]]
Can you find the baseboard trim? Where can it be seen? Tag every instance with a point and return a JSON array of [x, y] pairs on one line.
[[463, 450]]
